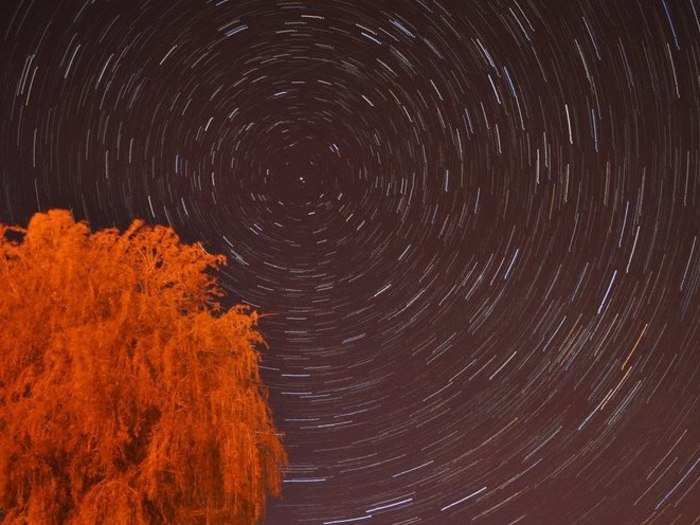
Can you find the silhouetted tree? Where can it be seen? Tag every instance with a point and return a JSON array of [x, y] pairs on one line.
[[128, 394]]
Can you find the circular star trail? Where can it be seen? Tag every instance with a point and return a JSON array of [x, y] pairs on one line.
[[473, 226]]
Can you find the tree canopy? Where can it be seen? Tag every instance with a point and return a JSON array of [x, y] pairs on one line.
[[128, 393]]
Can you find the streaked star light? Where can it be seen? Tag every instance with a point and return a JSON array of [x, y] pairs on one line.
[[473, 224]]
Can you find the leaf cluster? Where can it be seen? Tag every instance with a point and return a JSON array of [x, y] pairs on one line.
[[127, 394]]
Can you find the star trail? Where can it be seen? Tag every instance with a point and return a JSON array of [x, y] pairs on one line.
[[472, 227]]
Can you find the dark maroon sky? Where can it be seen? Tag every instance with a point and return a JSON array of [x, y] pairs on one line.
[[476, 225]]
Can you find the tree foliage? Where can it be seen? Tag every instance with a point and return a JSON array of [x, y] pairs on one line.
[[128, 394]]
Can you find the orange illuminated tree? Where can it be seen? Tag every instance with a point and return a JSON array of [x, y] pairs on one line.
[[128, 394]]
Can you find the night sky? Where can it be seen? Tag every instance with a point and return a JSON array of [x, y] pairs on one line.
[[474, 226]]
